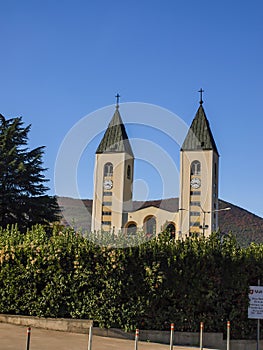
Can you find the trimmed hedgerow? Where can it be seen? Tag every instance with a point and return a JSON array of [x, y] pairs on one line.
[[147, 285]]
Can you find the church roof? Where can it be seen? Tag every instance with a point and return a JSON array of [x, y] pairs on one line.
[[169, 204], [199, 136], [115, 138]]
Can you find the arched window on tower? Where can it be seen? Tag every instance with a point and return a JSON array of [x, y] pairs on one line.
[[196, 168], [108, 169]]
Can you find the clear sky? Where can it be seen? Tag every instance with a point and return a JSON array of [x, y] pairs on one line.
[[62, 60]]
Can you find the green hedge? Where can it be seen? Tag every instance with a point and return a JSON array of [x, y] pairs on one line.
[[149, 285]]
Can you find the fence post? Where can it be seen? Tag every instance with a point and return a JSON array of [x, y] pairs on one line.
[[172, 336], [201, 335], [136, 339], [90, 338], [228, 336], [28, 338]]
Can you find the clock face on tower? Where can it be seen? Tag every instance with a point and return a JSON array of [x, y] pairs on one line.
[[107, 184], [195, 182]]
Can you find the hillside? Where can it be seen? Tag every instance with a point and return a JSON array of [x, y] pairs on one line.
[[247, 227]]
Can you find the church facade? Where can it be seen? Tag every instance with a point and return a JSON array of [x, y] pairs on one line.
[[197, 211]]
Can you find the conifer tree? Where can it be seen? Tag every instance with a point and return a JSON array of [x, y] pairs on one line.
[[23, 198]]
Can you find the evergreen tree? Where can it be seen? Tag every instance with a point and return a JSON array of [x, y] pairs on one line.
[[22, 184]]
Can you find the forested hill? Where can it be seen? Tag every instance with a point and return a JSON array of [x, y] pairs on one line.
[[247, 227]]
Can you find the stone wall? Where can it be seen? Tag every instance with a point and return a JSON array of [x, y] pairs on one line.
[[56, 324]]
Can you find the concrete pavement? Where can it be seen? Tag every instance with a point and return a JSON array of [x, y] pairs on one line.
[[14, 338]]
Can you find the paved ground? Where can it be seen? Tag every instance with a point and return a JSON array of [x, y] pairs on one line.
[[14, 338]]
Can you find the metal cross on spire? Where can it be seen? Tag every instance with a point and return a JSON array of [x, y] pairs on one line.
[[201, 96], [117, 100]]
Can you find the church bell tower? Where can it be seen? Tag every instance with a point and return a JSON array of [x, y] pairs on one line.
[[113, 178], [198, 203]]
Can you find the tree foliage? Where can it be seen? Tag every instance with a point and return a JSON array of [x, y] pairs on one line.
[[23, 198], [149, 285]]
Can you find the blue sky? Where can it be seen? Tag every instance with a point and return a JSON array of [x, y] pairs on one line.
[[62, 60]]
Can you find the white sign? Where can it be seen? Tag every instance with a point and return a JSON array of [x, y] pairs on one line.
[[255, 309]]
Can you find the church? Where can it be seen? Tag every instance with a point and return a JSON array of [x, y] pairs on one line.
[[197, 209]]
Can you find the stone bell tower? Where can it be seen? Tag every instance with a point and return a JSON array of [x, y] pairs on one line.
[[199, 158], [113, 177]]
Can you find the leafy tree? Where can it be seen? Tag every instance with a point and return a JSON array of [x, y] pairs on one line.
[[22, 184]]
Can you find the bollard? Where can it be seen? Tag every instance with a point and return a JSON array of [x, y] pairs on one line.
[[136, 339], [28, 338], [201, 335], [90, 338], [172, 336], [228, 336]]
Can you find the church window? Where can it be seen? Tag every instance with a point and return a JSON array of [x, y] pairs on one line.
[[131, 228], [195, 193], [171, 229], [106, 223], [107, 203], [106, 213], [108, 169], [196, 168], [195, 224], [106, 193], [150, 226], [128, 172], [194, 213], [197, 204]]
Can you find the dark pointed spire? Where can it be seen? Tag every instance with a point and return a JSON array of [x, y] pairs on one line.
[[199, 136], [115, 138]]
